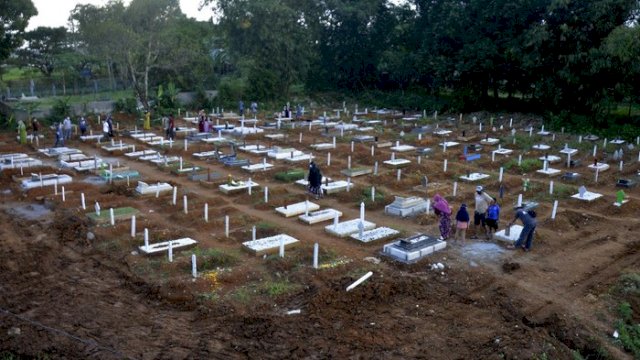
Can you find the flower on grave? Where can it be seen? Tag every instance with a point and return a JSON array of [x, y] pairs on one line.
[[212, 279]]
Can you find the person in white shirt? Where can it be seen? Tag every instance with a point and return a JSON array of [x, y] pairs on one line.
[[482, 201]]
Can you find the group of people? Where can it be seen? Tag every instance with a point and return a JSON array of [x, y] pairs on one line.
[[486, 218]]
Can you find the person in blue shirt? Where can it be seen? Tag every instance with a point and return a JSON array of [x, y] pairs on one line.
[[493, 216], [526, 235]]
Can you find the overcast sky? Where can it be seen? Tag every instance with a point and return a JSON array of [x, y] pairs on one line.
[[55, 13]]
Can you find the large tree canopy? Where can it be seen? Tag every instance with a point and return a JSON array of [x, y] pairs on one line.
[[14, 17]]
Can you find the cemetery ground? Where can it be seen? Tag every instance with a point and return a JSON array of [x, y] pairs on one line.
[[72, 287]]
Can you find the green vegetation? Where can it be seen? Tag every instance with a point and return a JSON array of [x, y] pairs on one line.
[[290, 175], [278, 287], [629, 331], [210, 259], [526, 166], [365, 196]]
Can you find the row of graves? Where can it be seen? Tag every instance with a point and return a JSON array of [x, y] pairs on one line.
[[415, 142]]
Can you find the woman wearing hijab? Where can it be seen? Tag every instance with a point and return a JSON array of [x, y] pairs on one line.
[[443, 211], [315, 180]]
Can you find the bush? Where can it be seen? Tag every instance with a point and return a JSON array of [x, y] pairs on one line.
[[126, 105], [231, 90], [60, 109], [629, 333]]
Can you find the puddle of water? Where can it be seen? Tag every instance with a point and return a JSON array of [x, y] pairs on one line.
[[30, 211], [482, 251]]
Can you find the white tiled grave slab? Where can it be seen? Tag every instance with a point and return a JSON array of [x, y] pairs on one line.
[[550, 158], [398, 252], [616, 142], [620, 204], [302, 157], [47, 180], [91, 137], [489, 141], [514, 234], [323, 146], [14, 156], [161, 142], [279, 153], [163, 247], [305, 182], [587, 196], [55, 152], [254, 149], [18, 163], [569, 151], [257, 167], [296, 209], [117, 147], [449, 144], [335, 186], [275, 136], [503, 151], [442, 132], [270, 244], [165, 160], [397, 162], [320, 216], [206, 154], [239, 185], [403, 148], [246, 131], [376, 234], [146, 189], [137, 154], [143, 135], [406, 206], [541, 147], [474, 177], [344, 229], [544, 133], [549, 171], [600, 167], [214, 140]]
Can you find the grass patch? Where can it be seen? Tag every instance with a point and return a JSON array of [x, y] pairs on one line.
[[278, 287], [290, 175], [243, 295], [366, 196], [629, 333], [266, 225], [211, 258], [526, 166], [629, 285]]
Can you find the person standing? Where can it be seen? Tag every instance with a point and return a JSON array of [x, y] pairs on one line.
[[110, 124], [482, 201], [105, 130], [526, 235], [35, 127], [171, 126], [442, 209], [67, 128], [254, 108], [315, 180], [241, 107], [59, 138], [22, 132], [147, 120], [83, 126], [493, 217], [462, 223]]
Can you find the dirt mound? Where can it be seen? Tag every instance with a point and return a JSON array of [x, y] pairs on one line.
[[510, 267], [69, 226]]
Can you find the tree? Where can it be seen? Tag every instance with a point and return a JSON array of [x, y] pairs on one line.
[[44, 44], [269, 42], [14, 17]]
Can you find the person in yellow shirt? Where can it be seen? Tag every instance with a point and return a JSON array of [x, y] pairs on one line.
[[147, 120]]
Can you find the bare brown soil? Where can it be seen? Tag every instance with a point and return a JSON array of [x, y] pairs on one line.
[[65, 296]]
